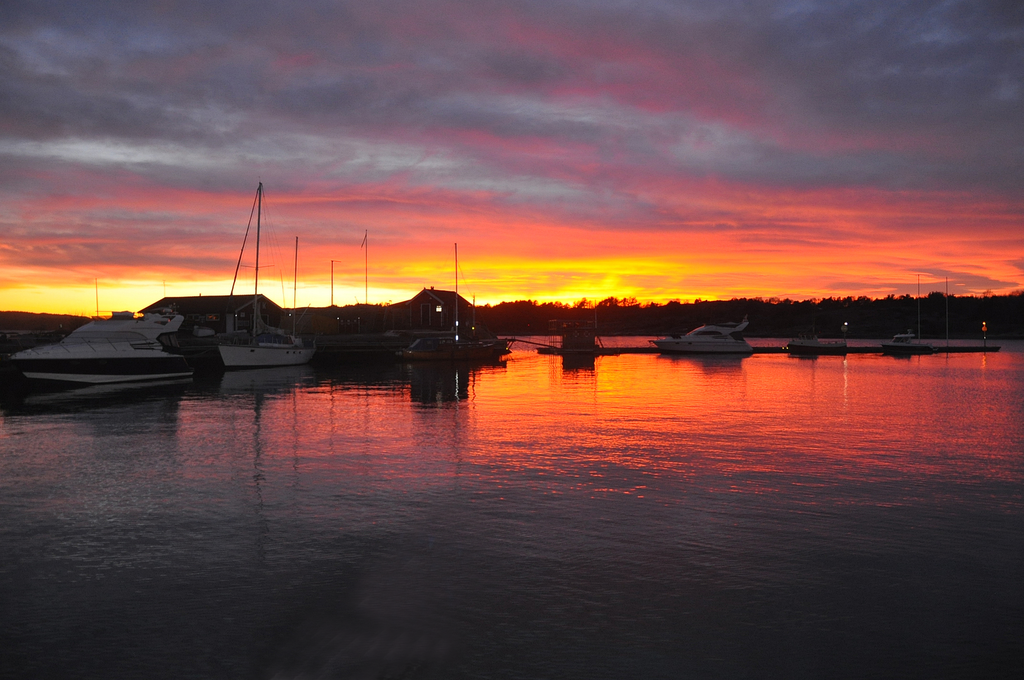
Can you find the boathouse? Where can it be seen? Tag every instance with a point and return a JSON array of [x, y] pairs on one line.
[[222, 313], [432, 310]]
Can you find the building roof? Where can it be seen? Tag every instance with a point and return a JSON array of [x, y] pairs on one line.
[[203, 304], [445, 297]]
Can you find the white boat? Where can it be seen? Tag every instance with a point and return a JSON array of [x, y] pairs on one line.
[[122, 349], [903, 344], [724, 338], [270, 348], [264, 346], [811, 345]]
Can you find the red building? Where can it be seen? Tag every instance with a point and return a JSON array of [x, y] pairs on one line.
[[433, 310]]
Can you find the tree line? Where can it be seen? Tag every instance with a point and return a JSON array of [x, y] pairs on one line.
[[866, 317]]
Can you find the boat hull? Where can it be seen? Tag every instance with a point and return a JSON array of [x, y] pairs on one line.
[[460, 354], [818, 349], [102, 370], [906, 349], [254, 356], [444, 349]]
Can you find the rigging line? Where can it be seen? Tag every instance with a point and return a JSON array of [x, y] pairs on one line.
[[244, 239], [273, 244]]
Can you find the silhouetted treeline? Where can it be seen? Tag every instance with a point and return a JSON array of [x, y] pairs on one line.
[[29, 321], [867, 318]]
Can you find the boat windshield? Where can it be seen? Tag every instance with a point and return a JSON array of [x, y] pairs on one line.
[[104, 337]]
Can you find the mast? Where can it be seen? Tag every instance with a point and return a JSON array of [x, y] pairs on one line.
[[295, 282], [918, 299], [366, 265], [256, 285], [456, 292], [238, 265]]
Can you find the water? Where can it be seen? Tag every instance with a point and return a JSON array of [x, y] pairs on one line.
[[645, 516]]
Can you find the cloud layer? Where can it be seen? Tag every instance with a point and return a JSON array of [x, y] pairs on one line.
[[656, 149]]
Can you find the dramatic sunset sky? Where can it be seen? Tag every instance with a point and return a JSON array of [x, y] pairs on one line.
[[653, 149]]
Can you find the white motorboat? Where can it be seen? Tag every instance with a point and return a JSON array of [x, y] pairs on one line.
[[724, 338], [264, 346], [124, 348], [811, 345], [903, 344]]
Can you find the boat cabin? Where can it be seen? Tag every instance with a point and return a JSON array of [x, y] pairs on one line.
[[576, 335]]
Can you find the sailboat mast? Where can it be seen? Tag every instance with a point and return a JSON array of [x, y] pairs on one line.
[[947, 312], [256, 284], [456, 292], [295, 282], [918, 302], [366, 267]]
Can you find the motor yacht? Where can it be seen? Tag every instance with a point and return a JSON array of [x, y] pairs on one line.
[[903, 344], [811, 345], [124, 348], [723, 338]]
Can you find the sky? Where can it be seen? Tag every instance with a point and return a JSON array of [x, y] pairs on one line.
[[572, 149]]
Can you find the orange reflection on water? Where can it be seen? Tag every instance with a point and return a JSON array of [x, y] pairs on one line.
[[810, 430]]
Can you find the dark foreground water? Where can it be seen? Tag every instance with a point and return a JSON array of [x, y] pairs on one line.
[[641, 517]]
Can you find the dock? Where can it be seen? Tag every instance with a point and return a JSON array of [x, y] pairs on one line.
[[599, 351]]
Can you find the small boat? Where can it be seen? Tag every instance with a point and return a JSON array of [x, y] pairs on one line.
[[449, 349], [122, 349], [264, 346], [902, 344], [811, 345], [724, 338]]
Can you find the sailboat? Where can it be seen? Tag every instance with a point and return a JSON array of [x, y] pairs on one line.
[[441, 348], [902, 344], [265, 346]]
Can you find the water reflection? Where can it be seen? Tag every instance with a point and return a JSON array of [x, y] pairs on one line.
[[438, 382], [708, 364], [681, 516], [95, 397], [578, 362], [267, 380]]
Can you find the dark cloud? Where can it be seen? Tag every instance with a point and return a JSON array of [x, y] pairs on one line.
[[600, 99]]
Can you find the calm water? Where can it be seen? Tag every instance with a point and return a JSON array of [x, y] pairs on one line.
[[640, 517]]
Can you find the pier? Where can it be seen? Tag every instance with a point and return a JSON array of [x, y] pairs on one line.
[[600, 351]]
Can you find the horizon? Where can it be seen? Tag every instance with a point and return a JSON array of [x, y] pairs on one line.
[[583, 303], [654, 151]]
